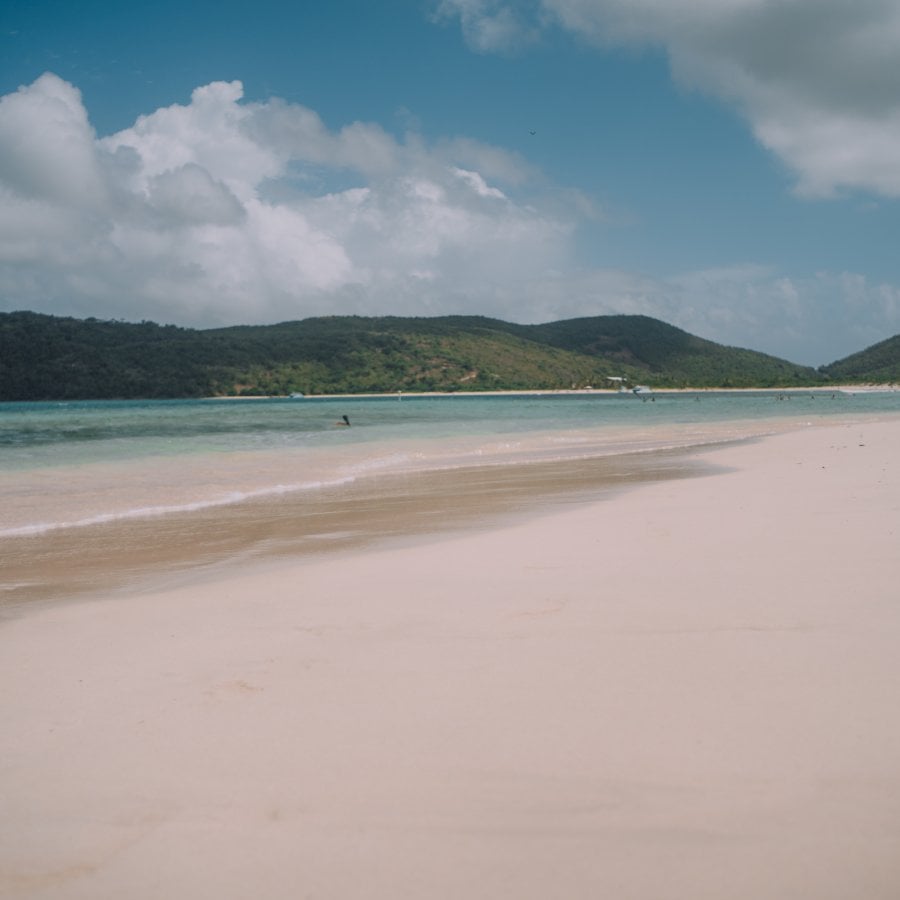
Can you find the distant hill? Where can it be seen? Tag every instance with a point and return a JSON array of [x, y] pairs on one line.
[[54, 358], [670, 356], [878, 364]]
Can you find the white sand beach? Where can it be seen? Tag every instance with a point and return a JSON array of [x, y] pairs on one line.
[[688, 691]]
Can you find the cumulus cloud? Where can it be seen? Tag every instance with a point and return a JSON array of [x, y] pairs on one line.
[[48, 145], [190, 195], [221, 211], [816, 79]]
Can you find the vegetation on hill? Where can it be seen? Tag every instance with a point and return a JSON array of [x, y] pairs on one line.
[[878, 364], [48, 357], [670, 356]]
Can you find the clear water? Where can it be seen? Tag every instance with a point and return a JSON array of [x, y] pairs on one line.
[[67, 465]]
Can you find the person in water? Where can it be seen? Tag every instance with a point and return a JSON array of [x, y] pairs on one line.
[[344, 421]]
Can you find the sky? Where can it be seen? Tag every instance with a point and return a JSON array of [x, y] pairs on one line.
[[728, 166]]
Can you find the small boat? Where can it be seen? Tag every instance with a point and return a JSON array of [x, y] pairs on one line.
[[641, 389]]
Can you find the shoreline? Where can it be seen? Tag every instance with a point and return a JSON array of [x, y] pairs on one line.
[[538, 392], [111, 552], [135, 553], [114, 525], [686, 690]]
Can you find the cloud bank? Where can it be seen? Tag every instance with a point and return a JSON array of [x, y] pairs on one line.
[[816, 79], [222, 211]]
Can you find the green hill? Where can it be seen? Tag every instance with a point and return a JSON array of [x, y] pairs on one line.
[[878, 364], [48, 357], [670, 356]]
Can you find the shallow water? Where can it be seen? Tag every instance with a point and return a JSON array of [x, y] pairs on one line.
[[62, 465], [102, 487]]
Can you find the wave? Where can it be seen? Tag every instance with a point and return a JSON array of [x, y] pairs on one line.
[[554, 448], [149, 512]]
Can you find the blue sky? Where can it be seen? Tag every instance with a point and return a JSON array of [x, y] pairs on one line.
[[728, 166]]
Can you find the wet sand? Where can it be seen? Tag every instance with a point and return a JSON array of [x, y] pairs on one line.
[[144, 553], [682, 690]]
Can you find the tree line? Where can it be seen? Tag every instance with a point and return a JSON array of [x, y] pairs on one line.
[[45, 357]]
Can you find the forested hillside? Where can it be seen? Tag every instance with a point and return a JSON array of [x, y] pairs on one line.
[[48, 357], [878, 364]]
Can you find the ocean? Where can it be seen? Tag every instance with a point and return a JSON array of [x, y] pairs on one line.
[[92, 490]]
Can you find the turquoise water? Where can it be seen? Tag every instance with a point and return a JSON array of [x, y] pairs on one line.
[[65, 465]]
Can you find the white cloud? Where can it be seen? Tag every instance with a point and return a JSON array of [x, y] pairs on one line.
[[816, 79], [221, 211], [209, 133], [191, 195], [48, 146], [478, 184]]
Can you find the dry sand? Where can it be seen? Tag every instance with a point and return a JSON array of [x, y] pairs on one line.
[[689, 691]]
